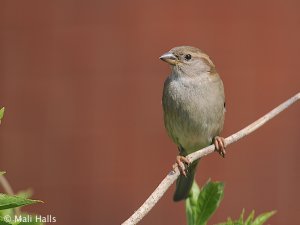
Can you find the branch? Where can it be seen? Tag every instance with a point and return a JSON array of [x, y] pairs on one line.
[[173, 175]]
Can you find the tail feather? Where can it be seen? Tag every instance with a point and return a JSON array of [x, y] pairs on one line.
[[184, 184]]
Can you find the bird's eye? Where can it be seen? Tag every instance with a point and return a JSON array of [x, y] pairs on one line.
[[187, 57]]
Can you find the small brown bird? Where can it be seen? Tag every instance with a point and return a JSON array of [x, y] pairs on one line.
[[194, 108]]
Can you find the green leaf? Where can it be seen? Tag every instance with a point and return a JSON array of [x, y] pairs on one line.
[[241, 219], [31, 223], [250, 218], [258, 221], [229, 222], [208, 201], [263, 218], [5, 212], [10, 201], [2, 172], [2, 113], [191, 207], [3, 222]]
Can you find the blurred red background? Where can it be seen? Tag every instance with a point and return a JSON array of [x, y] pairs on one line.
[[81, 82]]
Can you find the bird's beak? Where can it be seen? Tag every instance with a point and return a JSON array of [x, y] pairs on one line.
[[169, 58]]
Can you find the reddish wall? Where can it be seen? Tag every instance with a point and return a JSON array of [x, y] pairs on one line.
[[82, 83]]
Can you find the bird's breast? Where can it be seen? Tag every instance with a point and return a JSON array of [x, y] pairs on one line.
[[193, 112]]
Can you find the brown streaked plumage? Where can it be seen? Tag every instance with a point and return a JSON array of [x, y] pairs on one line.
[[193, 104]]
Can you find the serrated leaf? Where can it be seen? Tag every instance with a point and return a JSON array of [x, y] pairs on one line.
[[208, 201], [250, 218], [11, 201], [191, 207], [2, 113], [263, 218]]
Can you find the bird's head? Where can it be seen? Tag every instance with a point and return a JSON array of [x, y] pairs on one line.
[[188, 61]]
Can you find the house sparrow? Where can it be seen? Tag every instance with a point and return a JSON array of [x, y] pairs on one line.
[[194, 108]]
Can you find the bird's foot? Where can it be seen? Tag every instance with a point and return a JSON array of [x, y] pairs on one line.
[[182, 163], [220, 145]]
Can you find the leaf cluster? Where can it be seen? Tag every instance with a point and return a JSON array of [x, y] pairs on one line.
[[8, 203], [202, 203], [259, 220]]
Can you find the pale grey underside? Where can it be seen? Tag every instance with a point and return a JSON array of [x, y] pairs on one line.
[[193, 109]]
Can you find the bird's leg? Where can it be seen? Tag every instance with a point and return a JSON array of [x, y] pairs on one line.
[[182, 163], [220, 145]]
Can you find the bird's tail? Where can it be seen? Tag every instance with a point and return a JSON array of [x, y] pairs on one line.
[[184, 184]]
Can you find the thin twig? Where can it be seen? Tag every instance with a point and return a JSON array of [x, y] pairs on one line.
[[173, 175], [6, 186]]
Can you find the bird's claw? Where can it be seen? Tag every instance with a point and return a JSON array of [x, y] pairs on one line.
[[182, 163], [220, 145]]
